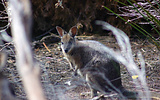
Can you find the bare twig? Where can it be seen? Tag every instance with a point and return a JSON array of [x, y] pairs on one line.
[[46, 47], [59, 4], [130, 11], [4, 17], [28, 69]]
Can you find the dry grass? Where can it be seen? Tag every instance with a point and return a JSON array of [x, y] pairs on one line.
[[56, 75]]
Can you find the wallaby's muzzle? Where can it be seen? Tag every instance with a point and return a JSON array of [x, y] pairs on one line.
[[66, 51], [67, 47]]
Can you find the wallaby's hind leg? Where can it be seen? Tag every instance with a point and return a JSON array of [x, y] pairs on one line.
[[74, 68], [128, 94], [93, 91], [97, 82]]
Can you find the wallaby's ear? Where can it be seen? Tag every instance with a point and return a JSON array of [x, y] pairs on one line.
[[60, 31], [73, 31]]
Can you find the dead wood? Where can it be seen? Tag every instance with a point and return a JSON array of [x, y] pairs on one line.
[[27, 68]]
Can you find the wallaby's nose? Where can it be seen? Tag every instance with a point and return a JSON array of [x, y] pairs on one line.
[[66, 50]]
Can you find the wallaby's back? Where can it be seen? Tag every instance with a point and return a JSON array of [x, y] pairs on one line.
[[91, 57]]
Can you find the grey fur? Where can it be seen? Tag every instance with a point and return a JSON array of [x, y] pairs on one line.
[[94, 64]]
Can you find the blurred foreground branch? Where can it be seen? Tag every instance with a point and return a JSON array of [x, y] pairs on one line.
[[125, 57], [21, 29]]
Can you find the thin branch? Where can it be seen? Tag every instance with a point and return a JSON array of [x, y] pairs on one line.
[[130, 11]]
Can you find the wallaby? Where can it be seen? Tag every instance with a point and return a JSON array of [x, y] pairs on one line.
[[89, 59]]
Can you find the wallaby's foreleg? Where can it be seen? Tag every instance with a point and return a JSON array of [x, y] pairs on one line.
[[93, 93], [71, 65], [75, 68], [75, 71]]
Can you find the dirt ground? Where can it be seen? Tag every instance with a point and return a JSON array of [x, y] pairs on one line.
[[58, 80]]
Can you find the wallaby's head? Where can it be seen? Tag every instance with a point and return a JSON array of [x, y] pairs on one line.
[[67, 39]]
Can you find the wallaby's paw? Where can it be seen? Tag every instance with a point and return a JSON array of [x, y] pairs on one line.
[[100, 97], [74, 73], [85, 93]]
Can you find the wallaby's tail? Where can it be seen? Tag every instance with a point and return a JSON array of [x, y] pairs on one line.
[[129, 94]]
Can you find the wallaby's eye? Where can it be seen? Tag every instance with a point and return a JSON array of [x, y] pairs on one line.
[[62, 43]]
